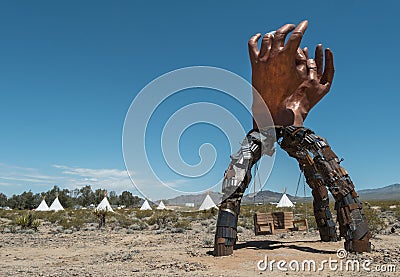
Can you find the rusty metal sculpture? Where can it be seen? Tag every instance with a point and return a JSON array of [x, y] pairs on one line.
[[291, 84]]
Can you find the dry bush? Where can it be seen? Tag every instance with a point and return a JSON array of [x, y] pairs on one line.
[[375, 222], [68, 218], [10, 214], [207, 214], [143, 214], [123, 220], [183, 224], [163, 218]]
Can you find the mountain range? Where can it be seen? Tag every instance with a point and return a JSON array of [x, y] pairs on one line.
[[197, 199], [391, 192]]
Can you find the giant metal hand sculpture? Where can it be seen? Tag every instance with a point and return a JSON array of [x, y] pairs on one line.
[[275, 71], [291, 84]]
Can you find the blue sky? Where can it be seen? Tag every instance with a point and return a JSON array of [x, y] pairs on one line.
[[70, 70]]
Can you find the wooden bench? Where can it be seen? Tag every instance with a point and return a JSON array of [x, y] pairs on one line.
[[277, 222], [300, 225], [263, 224], [283, 220]]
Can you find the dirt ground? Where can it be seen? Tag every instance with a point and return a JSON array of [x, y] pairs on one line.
[[164, 253]]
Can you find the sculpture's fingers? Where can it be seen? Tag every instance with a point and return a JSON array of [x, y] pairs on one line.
[[265, 46], [301, 63], [295, 38], [319, 59], [312, 69], [305, 50], [280, 36], [253, 48], [329, 70], [301, 56]]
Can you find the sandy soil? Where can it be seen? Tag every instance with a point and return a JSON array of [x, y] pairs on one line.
[[163, 253]]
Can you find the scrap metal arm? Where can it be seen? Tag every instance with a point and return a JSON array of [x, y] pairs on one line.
[[321, 168]]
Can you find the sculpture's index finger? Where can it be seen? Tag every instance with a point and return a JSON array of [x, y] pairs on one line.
[[285, 29], [302, 27], [295, 38], [280, 36]]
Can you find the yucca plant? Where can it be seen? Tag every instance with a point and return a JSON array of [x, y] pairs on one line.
[[27, 222]]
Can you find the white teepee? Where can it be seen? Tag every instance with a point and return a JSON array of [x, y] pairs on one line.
[[42, 206], [161, 206], [145, 206], [56, 205], [208, 203], [104, 205], [285, 201]]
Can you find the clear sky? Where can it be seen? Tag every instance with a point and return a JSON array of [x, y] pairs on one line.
[[69, 71]]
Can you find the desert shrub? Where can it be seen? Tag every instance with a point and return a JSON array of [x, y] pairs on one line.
[[143, 214], [123, 220], [208, 214], [385, 204], [246, 211], [246, 223], [9, 227], [68, 218], [375, 222], [189, 215], [183, 224], [312, 223], [52, 217], [138, 225], [397, 214], [27, 221], [87, 216], [69, 223], [10, 214], [163, 218]]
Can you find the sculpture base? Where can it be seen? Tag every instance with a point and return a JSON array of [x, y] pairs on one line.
[[221, 249]]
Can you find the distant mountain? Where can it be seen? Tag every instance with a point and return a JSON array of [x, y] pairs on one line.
[[391, 192], [197, 199], [267, 196]]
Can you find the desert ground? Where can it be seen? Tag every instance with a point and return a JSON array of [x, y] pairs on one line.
[[132, 250]]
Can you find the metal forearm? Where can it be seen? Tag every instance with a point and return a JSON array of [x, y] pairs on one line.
[[236, 179], [322, 167], [322, 212]]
